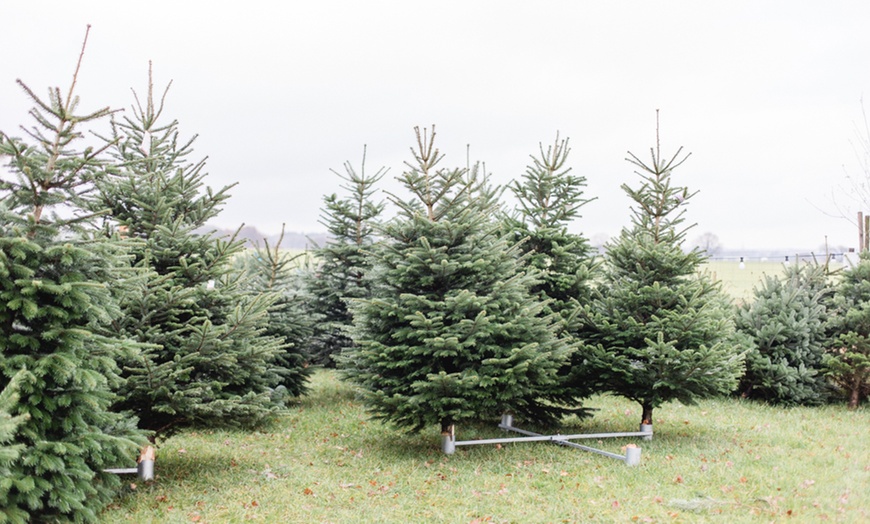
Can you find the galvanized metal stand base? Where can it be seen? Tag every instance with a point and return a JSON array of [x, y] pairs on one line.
[[144, 470], [631, 457]]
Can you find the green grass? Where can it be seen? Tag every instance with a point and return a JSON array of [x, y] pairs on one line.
[[325, 461], [739, 283]]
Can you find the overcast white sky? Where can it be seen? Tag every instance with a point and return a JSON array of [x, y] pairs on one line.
[[766, 95]]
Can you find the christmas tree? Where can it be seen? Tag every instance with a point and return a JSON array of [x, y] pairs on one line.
[[657, 330], [55, 303], [847, 361], [9, 451], [269, 269], [786, 323], [452, 332], [342, 263], [208, 359], [549, 198]]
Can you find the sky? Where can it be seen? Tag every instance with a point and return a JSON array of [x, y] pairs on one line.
[[766, 95]]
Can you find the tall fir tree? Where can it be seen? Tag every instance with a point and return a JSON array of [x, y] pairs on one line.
[[342, 263], [269, 269], [208, 359], [549, 198], [786, 324], [657, 330], [847, 361], [452, 332], [55, 301]]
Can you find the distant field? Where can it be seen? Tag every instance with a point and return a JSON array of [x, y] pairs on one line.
[[739, 283]]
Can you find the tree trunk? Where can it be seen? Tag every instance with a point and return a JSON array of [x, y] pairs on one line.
[[855, 396], [647, 415]]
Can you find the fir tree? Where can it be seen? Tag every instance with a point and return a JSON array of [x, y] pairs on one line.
[[55, 302], [451, 332], [208, 359], [786, 324], [342, 263], [549, 199], [656, 330], [847, 361], [271, 270], [9, 450]]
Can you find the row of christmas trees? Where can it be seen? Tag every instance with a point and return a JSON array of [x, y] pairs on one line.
[[118, 323], [462, 311], [414, 308]]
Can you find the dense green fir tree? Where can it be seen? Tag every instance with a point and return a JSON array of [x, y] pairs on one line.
[[269, 269], [549, 198], [341, 264], [847, 361], [55, 302], [656, 330], [786, 323], [208, 359], [9, 450], [452, 332]]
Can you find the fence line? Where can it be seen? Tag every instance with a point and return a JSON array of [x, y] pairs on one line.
[[848, 258]]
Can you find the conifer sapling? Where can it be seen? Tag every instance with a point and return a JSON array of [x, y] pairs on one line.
[[786, 324], [847, 360], [451, 332], [342, 263], [208, 360], [56, 306], [657, 330]]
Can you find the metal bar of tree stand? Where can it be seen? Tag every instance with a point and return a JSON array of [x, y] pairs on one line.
[[145, 468], [631, 458], [632, 452], [558, 439]]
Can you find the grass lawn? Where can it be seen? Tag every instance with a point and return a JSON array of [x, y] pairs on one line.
[[326, 461], [739, 283]]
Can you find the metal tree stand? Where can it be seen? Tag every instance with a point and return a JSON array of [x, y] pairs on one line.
[[145, 468], [631, 457]]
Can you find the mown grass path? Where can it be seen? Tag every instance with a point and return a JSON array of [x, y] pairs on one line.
[[326, 462]]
